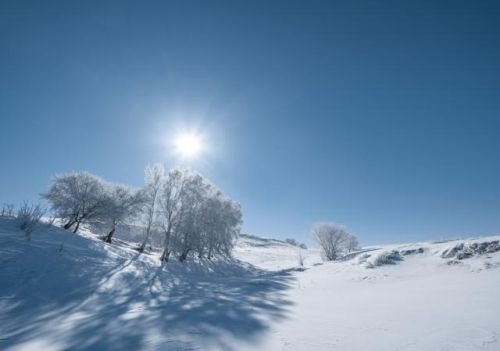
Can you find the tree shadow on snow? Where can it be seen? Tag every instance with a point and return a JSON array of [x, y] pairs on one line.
[[136, 305]]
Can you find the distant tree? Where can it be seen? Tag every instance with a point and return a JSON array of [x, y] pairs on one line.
[[121, 203], [154, 178], [331, 238], [76, 198], [351, 243], [7, 210]]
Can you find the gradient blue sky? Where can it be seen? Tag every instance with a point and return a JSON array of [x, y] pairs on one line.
[[381, 115]]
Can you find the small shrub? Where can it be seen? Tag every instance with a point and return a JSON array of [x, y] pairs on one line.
[[420, 250], [7, 210], [388, 257], [466, 250], [28, 218], [301, 259]]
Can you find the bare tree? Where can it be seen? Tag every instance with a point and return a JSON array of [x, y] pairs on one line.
[[331, 238], [121, 203], [7, 210], [154, 177], [76, 198], [352, 243]]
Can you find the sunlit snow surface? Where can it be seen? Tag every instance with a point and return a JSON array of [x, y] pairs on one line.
[[70, 292]]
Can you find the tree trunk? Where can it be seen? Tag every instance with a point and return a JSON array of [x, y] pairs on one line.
[[143, 245], [183, 256], [69, 224], [148, 233], [110, 235], [77, 226], [166, 252], [165, 255]]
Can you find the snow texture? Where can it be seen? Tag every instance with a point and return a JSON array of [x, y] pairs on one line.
[[62, 291]]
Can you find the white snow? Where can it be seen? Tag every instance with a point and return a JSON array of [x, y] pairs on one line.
[[272, 254], [62, 291]]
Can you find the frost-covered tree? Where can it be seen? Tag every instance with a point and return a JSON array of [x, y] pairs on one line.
[[76, 198], [188, 228], [171, 209], [193, 214], [351, 243], [154, 177], [227, 226], [331, 238], [197, 217], [221, 219], [121, 203]]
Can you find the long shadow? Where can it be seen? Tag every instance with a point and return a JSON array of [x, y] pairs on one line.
[[177, 307], [202, 309]]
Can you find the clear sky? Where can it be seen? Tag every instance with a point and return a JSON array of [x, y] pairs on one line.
[[380, 115]]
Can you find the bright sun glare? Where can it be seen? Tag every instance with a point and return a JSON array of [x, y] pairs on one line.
[[188, 145]]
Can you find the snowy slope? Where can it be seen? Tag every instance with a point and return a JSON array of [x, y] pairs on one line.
[[94, 296], [272, 254], [423, 302], [86, 295]]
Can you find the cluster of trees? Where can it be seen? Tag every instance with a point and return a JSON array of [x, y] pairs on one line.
[[191, 213], [333, 240], [80, 198]]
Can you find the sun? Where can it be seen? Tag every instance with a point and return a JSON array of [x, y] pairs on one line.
[[188, 145]]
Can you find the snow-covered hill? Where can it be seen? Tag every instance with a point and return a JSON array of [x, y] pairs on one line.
[[272, 254], [61, 291]]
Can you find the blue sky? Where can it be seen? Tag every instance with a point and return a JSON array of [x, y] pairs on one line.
[[383, 116]]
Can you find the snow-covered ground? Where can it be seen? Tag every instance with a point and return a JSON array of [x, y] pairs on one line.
[[272, 254], [61, 291]]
